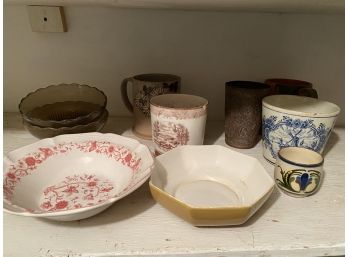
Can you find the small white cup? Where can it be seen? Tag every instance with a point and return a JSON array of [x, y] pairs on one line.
[[298, 171], [177, 119]]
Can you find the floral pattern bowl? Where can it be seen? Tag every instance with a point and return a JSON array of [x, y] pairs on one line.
[[297, 121], [210, 185], [72, 177]]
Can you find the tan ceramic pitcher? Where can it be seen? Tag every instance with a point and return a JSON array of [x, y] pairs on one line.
[[144, 87]]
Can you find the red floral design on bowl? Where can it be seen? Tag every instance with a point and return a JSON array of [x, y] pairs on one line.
[[73, 176]]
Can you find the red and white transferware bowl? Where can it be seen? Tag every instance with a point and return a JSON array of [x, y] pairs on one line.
[[72, 177]]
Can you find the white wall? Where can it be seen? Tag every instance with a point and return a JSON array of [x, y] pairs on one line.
[[104, 45]]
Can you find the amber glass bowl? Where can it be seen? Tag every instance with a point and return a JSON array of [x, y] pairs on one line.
[[64, 105]]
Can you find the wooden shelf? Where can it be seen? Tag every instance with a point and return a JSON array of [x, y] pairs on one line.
[[282, 6], [138, 226]]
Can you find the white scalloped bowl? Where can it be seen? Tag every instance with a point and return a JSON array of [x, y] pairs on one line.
[[72, 177]]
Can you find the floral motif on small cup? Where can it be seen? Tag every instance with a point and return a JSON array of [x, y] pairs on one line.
[[168, 135], [287, 131], [143, 97], [299, 181], [76, 191]]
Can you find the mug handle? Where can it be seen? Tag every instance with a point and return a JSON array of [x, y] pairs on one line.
[[310, 92], [124, 94]]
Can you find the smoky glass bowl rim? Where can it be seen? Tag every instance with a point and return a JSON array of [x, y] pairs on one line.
[[92, 116], [104, 116], [45, 132]]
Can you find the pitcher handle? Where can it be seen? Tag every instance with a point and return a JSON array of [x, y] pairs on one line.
[[124, 94]]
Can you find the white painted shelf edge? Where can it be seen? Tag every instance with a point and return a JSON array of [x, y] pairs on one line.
[[137, 226], [282, 6]]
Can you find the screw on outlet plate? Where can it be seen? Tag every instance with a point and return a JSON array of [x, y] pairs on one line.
[[47, 18]]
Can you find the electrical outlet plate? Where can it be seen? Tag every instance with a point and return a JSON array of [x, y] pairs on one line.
[[47, 18]]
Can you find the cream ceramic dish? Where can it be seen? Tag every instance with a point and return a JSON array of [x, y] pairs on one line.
[[72, 177], [299, 121], [210, 185]]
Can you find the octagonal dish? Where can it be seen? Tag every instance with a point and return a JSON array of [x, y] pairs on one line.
[[71, 177], [210, 185]]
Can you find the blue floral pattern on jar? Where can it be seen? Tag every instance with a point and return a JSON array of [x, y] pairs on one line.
[[277, 134]]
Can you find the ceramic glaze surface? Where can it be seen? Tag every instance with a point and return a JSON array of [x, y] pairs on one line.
[[75, 192], [177, 120], [284, 128], [144, 87], [296, 179], [73, 174], [198, 184], [283, 131], [218, 194]]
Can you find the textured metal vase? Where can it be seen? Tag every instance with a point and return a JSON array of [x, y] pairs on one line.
[[243, 110]]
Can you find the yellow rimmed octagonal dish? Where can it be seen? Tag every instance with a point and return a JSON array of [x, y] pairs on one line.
[[210, 185]]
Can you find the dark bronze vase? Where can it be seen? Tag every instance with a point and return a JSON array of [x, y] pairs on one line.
[[243, 110]]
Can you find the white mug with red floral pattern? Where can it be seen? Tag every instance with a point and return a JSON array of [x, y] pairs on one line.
[[177, 119], [144, 87]]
